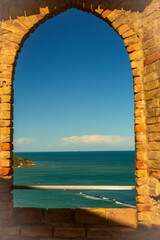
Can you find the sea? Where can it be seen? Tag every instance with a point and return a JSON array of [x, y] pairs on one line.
[[76, 168]]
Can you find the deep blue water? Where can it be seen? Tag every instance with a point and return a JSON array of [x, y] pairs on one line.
[[76, 168]]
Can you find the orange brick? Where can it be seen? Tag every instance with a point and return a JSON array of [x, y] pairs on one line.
[[134, 47], [152, 58], [105, 13], [140, 128], [141, 165], [6, 171], [6, 147], [143, 207]]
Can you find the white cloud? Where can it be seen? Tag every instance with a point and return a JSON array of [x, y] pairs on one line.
[[97, 139], [24, 141]]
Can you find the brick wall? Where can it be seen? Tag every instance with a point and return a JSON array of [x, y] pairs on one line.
[[138, 24]]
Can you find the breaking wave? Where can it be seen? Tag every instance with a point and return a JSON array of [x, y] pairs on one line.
[[107, 199]]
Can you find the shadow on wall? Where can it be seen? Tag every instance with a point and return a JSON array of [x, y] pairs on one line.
[[12, 9], [84, 223]]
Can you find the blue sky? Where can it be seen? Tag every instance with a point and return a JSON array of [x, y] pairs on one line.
[[73, 88]]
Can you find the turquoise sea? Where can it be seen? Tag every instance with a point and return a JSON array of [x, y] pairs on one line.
[[76, 168]]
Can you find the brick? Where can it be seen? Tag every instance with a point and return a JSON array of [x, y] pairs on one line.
[[6, 197], [154, 103], [152, 94], [90, 216], [140, 136], [5, 154], [114, 15], [134, 47], [6, 98], [6, 171], [39, 230], [141, 173], [122, 217], [12, 230], [141, 165], [139, 96], [152, 85], [143, 207], [5, 163], [152, 58], [150, 77], [138, 88], [72, 232], [128, 34], [155, 174], [28, 215], [141, 155], [154, 127], [137, 64], [23, 238], [102, 233], [105, 13], [150, 68], [154, 165], [6, 115], [6, 205], [135, 55], [144, 216], [123, 28], [140, 128], [6, 146], [58, 216], [6, 130], [153, 120], [6, 106], [141, 181], [131, 40], [6, 214], [143, 189], [143, 199], [154, 137], [6, 123], [154, 145]]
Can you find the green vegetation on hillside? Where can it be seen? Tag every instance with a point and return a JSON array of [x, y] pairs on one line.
[[21, 162]]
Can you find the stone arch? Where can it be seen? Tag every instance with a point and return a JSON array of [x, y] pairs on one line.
[[131, 22]]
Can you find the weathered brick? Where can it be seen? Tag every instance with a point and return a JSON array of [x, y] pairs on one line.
[[138, 88], [152, 85], [143, 199], [153, 94], [154, 127], [141, 181], [6, 146], [141, 165], [71, 232], [142, 189], [102, 233], [58, 216], [153, 120], [90, 216], [154, 137], [144, 216], [39, 230], [141, 173], [6, 171], [155, 174], [141, 155], [140, 128], [6, 205], [154, 165], [121, 217], [135, 55], [134, 47], [154, 145], [5, 163], [28, 215], [152, 58], [143, 207], [12, 230]]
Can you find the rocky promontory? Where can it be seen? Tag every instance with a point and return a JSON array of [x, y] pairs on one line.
[[22, 162]]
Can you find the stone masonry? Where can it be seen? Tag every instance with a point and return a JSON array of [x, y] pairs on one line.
[[138, 24]]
